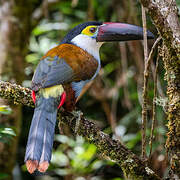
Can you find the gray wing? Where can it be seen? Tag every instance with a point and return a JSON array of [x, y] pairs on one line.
[[51, 71]]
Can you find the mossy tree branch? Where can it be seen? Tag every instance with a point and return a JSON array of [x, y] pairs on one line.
[[164, 14], [131, 165]]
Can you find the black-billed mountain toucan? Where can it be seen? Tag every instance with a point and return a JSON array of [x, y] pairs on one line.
[[60, 77]]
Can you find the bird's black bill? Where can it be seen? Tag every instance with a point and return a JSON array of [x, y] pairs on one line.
[[120, 32]]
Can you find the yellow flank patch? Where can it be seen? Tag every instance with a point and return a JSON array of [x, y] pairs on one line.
[[53, 91], [89, 30]]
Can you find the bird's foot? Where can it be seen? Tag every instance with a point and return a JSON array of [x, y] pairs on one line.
[[78, 115], [60, 126], [31, 165], [43, 166]]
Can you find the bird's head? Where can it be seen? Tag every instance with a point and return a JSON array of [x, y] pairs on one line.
[[91, 35]]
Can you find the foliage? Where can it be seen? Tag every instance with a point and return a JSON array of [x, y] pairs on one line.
[[6, 133], [72, 157], [79, 160], [114, 98], [5, 110], [3, 176]]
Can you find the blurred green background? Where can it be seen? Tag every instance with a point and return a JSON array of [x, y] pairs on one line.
[[113, 101]]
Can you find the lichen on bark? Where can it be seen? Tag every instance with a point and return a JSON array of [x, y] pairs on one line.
[[111, 149], [172, 67], [164, 14]]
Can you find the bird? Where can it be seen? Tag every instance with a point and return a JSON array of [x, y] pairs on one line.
[[60, 76]]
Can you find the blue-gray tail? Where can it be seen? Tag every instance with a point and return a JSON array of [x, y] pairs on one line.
[[41, 134]]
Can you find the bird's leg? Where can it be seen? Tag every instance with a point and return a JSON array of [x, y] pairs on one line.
[[60, 124], [78, 115], [63, 99]]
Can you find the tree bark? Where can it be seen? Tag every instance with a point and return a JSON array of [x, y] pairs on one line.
[[15, 29], [111, 149], [164, 14]]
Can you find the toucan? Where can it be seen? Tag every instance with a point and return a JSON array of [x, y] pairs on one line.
[[60, 76]]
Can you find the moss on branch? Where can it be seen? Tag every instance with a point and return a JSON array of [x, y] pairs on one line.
[[111, 149], [164, 14], [16, 93]]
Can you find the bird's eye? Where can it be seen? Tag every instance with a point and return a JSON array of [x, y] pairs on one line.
[[89, 30], [92, 29]]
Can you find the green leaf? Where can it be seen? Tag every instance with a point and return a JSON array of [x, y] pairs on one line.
[[60, 159], [6, 134], [33, 58], [8, 131], [46, 27], [62, 172], [5, 110], [133, 140], [97, 164], [110, 67], [3, 175], [65, 139], [89, 153]]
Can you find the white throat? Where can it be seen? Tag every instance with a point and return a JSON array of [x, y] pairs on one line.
[[92, 47], [88, 44]]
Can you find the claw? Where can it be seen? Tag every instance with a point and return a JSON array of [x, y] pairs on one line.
[[33, 95], [63, 98], [78, 115]]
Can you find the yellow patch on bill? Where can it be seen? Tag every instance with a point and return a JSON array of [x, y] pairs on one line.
[[54, 91]]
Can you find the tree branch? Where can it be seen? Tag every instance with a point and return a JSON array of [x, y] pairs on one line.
[[109, 148], [164, 14], [145, 86]]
